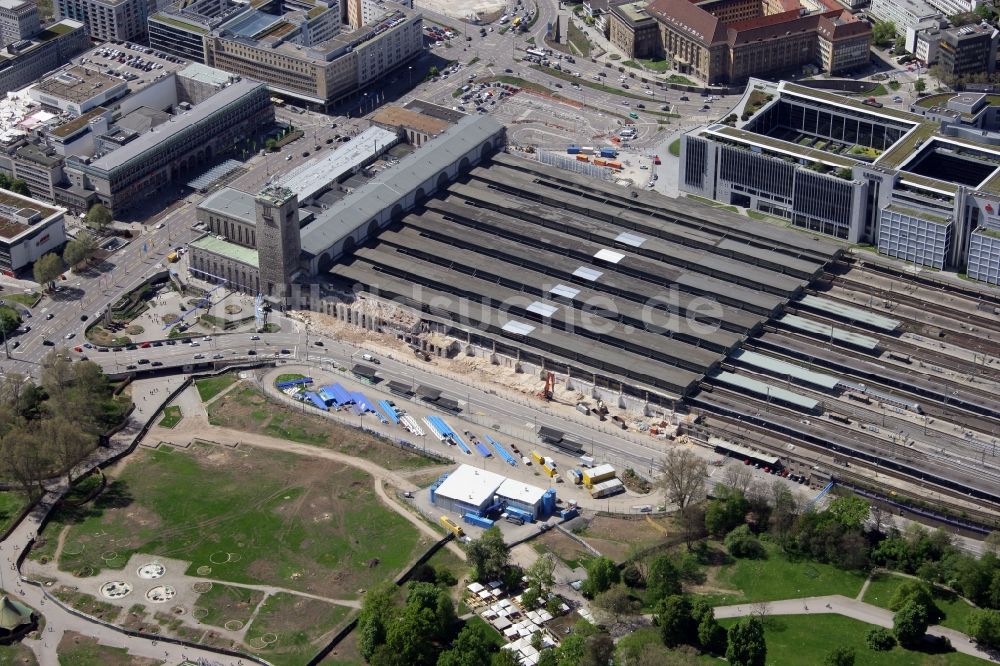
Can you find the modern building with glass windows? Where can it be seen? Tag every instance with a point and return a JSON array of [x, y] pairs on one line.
[[915, 184]]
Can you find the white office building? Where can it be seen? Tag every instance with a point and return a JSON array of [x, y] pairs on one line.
[[903, 13], [920, 237], [18, 20]]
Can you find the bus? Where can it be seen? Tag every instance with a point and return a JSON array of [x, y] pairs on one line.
[[538, 53]]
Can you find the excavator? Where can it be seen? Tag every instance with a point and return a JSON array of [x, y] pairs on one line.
[[550, 383]]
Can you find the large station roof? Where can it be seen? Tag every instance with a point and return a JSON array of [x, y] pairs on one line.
[[640, 290]]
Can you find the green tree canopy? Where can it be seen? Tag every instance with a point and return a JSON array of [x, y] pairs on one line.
[[746, 643], [98, 216], [910, 624], [488, 555], [473, 646], [676, 623], [840, 656], [883, 33], [849, 511], [9, 320], [662, 579], [377, 611], [726, 512], [601, 574], [984, 626], [47, 268]]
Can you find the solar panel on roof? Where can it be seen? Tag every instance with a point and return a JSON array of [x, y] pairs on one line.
[[563, 290], [587, 273], [630, 239], [609, 255], [543, 309], [518, 328]]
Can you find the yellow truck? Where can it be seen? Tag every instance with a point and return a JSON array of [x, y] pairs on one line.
[[451, 526], [172, 257], [549, 471], [537, 457]]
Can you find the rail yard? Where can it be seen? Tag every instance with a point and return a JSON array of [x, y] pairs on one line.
[[839, 368]]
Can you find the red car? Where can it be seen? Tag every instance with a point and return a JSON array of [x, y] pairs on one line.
[[656, 160], [144, 345]]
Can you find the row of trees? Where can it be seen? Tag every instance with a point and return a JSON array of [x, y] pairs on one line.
[[15, 185], [47, 428]]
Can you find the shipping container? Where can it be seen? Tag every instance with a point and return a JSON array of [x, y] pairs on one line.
[[597, 162], [451, 526], [608, 152], [576, 475], [537, 457], [607, 488], [573, 150], [615, 165], [587, 461], [587, 150], [478, 521], [598, 474], [549, 471], [526, 516], [583, 158], [572, 512]]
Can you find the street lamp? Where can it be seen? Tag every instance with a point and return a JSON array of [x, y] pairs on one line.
[[409, 76]]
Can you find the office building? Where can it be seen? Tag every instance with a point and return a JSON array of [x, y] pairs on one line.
[[18, 21], [984, 254], [472, 490], [970, 49], [633, 30], [28, 229], [78, 89], [916, 185], [955, 7], [134, 164], [26, 61], [361, 12], [109, 20], [728, 41], [904, 14], [301, 54]]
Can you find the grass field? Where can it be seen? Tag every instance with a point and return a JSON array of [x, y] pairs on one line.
[[11, 505], [17, 654], [799, 639], [779, 578], [171, 416], [245, 408], [226, 604], [249, 516], [210, 387], [956, 611], [26, 300], [297, 624], [80, 650]]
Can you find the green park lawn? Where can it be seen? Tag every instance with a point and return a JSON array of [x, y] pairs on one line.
[[246, 408], [171, 417], [226, 604], [777, 577], [242, 516], [955, 610], [807, 639], [212, 386], [17, 654], [11, 504], [289, 629], [26, 300]]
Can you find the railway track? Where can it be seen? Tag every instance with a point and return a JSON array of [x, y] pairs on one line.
[[866, 467]]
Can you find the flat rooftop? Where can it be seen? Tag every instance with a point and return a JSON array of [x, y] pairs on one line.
[[232, 203], [470, 485], [314, 176], [224, 248], [77, 84], [397, 116], [134, 72]]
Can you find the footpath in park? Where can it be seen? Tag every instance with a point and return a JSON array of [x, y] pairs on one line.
[[852, 608]]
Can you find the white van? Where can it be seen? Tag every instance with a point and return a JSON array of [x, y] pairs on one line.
[[370, 358]]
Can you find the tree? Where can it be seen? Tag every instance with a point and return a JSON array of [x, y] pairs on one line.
[[472, 647], [849, 511], [840, 656], [18, 186], [879, 639], [67, 442], [914, 591], [662, 580], [406, 638], [984, 626], [99, 217], [598, 650], [746, 643], [539, 575], [505, 658], [73, 254], [711, 634], [741, 543], [601, 574], [900, 45], [726, 511], [433, 71], [909, 624], [738, 477], [618, 601], [677, 625], [25, 460], [47, 269], [271, 145], [9, 320], [883, 32], [919, 86], [683, 478], [488, 555], [376, 613]]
